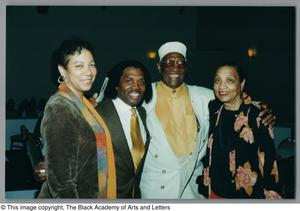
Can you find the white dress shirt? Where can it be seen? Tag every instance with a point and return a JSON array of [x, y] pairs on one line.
[[124, 114]]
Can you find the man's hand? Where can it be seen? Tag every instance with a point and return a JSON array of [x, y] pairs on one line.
[[266, 115], [93, 100], [39, 171]]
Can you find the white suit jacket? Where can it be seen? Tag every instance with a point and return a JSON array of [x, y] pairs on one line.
[[164, 175]]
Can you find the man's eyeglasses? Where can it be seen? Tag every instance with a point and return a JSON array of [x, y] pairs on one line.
[[171, 63]]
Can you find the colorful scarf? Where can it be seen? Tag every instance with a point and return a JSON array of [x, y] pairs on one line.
[[106, 162]]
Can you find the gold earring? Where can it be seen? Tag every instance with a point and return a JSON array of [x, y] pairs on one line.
[[61, 79]]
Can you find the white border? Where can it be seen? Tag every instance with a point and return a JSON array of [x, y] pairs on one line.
[[4, 3]]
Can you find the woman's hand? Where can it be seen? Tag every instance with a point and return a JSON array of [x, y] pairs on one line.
[[269, 194]]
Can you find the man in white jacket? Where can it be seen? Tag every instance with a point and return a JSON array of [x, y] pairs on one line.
[[178, 121]]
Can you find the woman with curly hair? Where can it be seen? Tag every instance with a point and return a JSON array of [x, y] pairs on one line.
[[240, 160]]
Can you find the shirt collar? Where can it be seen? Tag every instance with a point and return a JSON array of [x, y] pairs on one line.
[[173, 93], [122, 107]]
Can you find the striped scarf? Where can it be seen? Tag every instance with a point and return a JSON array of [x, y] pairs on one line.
[[105, 156]]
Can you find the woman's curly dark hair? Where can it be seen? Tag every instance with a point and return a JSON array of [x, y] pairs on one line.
[[68, 47]]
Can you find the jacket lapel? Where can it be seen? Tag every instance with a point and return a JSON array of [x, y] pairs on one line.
[[107, 109]]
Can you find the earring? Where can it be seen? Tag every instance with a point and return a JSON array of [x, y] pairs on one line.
[[61, 79]]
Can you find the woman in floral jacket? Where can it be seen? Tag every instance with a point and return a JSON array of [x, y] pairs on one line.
[[240, 161]]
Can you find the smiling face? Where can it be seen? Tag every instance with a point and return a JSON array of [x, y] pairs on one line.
[[228, 87], [80, 72], [131, 87], [172, 69]]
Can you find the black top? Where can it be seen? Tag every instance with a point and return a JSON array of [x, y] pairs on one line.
[[241, 158]]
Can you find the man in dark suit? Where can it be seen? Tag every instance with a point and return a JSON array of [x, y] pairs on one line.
[[128, 86]]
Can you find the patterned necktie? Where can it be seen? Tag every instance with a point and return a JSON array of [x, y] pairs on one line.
[[137, 150]]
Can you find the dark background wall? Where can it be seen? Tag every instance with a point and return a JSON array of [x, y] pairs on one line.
[[212, 35]]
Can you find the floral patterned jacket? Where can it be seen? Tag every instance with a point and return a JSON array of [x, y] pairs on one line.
[[240, 161]]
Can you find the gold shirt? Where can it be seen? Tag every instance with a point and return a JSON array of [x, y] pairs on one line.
[[175, 112]]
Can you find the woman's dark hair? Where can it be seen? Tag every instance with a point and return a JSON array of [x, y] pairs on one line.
[[115, 74], [214, 105], [234, 65], [61, 56], [71, 47]]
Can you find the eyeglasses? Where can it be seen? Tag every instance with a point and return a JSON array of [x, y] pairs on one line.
[[171, 63]]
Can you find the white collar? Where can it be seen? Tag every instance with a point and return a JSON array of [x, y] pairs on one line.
[[122, 107]]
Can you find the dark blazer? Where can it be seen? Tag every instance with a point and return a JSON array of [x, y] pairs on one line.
[[127, 180], [71, 153]]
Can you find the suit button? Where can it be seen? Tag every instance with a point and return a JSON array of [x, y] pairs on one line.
[[163, 171], [156, 155], [162, 187], [190, 153]]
